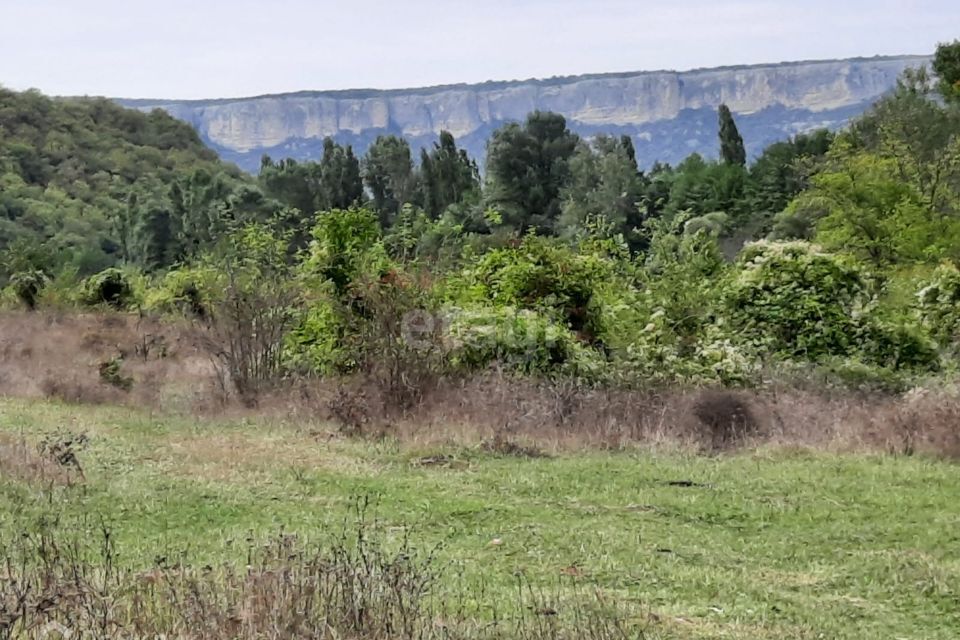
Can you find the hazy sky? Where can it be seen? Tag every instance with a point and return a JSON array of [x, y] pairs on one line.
[[227, 48]]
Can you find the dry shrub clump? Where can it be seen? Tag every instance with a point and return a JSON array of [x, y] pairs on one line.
[[103, 357], [926, 421], [727, 418], [53, 462], [506, 413], [353, 588]]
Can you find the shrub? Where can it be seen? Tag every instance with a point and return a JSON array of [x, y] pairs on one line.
[[27, 286], [346, 244], [111, 374], [726, 417], [521, 340], [896, 345], [793, 300], [545, 276], [938, 307], [658, 356], [110, 287], [395, 337], [681, 278], [254, 302], [185, 290], [314, 345]]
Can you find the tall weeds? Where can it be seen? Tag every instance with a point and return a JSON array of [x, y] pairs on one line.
[[358, 586]]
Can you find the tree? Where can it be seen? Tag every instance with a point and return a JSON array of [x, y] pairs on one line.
[[388, 174], [946, 64], [920, 135], [447, 176], [859, 204], [68, 170], [699, 187], [154, 238], [527, 166], [604, 181], [731, 143], [781, 171], [199, 210], [340, 177], [796, 301], [297, 185]]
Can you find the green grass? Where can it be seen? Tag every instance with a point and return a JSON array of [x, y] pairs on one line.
[[770, 544]]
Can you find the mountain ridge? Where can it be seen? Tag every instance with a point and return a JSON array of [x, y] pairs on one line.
[[669, 114], [357, 92]]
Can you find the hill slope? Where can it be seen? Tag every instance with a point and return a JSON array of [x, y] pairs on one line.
[[68, 167], [669, 114]]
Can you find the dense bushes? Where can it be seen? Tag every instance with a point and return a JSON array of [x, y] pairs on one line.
[[544, 276], [110, 287], [680, 316], [938, 306], [794, 301]]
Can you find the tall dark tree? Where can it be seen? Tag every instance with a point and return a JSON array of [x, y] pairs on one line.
[[388, 174], [154, 239], [447, 175], [946, 64], [339, 176], [626, 142], [732, 150], [527, 166]]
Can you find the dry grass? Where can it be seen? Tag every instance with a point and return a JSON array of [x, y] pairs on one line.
[[21, 461], [60, 356], [356, 587]]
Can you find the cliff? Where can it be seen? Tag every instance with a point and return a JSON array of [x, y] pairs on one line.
[[669, 114]]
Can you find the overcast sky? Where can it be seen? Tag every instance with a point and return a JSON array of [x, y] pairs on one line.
[[229, 48]]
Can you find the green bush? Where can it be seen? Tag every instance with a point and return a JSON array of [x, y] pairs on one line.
[[938, 307], [657, 355], [346, 244], [110, 287], [27, 286], [186, 290], [795, 301], [544, 276], [520, 340], [896, 345], [315, 345]]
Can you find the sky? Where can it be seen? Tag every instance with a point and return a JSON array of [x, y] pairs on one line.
[[183, 49]]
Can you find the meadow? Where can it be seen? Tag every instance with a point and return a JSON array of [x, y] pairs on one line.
[[766, 542]]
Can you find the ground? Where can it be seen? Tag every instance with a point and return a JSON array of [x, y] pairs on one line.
[[768, 543]]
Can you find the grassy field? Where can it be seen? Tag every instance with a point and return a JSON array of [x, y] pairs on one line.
[[761, 544]]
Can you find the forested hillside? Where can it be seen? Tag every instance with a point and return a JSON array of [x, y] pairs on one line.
[[830, 250], [75, 173]]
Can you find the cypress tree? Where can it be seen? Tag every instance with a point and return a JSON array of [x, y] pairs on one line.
[[731, 143]]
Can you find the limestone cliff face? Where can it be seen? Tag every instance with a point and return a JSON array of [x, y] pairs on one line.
[[668, 113]]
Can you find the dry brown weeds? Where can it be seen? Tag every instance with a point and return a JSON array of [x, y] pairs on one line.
[[58, 355], [24, 462], [354, 587]]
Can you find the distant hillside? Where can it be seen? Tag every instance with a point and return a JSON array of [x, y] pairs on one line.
[[68, 168], [669, 114]]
